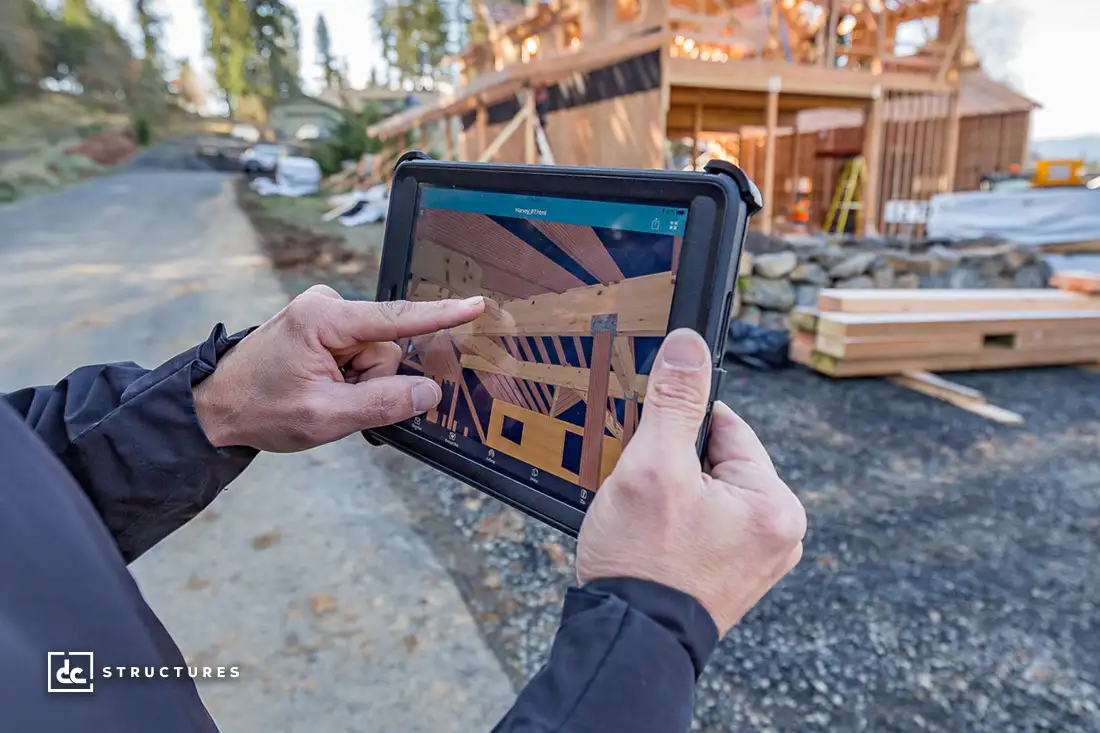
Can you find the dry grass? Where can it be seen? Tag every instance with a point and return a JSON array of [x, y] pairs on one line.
[[50, 119]]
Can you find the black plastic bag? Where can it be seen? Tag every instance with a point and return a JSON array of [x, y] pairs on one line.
[[758, 347]]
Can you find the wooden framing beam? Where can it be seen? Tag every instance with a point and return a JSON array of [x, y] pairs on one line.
[[767, 216], [481, 123], [599, 374], [754, 76], [828, 59], [696, 131], [950, 149], [448, 139], [872, 158], [505, 134]]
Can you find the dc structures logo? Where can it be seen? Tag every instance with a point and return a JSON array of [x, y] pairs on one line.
[[70, 671]]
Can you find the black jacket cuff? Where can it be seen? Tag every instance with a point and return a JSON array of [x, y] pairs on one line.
[[675, 611]]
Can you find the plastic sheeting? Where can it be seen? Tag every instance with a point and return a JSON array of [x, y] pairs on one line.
[[293, 177], [1035, 216]]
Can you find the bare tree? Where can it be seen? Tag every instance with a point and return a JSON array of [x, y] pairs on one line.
[[996, 32]]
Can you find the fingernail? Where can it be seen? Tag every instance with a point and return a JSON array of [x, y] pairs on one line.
[[474, 302], [684, 349], [425, 396]]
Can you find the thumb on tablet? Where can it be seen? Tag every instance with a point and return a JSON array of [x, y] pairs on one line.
[[676, 396]]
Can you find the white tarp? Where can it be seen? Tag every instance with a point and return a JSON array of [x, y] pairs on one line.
[[293, 177], [1033, 216]]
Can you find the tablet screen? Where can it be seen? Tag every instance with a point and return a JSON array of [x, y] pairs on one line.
[[549, 384]]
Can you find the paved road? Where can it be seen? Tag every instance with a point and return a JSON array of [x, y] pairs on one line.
[[306, 572]]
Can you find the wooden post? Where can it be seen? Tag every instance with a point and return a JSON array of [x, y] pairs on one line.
[[696, 131], [530, 149], [421, 136], [872, 161], [951, 142], [482, 124], [599, 375], [448, 138], [829, 59], [1025, 154], [880, 41], [768, 214]]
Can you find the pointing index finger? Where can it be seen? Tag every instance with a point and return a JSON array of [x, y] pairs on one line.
[[362, 321]]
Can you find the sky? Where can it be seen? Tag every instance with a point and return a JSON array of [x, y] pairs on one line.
[[1055, 62]]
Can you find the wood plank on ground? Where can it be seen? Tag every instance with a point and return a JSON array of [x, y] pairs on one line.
[[951, 301], [988, 359], [931, 325], [958, 395], [892, 348]]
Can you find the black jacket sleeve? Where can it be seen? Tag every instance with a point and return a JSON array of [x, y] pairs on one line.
[[131, 439], [626, 658]]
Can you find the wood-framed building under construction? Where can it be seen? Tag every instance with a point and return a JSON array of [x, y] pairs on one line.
[[611, 82]]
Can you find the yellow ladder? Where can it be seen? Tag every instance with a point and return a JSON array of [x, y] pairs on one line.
[[847, 198]]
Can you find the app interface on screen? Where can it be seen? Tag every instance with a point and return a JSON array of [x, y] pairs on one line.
[[549, 384]]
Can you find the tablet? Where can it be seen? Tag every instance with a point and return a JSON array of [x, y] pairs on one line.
[[583, 271]]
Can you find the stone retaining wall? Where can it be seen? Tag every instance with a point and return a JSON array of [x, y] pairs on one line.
[[772, 284]]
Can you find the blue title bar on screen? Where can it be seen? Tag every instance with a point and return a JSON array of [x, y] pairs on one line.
[[584, 212]]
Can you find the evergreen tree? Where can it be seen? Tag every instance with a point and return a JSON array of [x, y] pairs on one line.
[[324, 54], [75, 13], [229, 44], [21, 62], [149, 23], [415, 39], [275, 66]]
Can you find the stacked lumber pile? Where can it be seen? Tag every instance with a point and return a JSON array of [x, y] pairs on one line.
[[1077, 282], [861, 333]]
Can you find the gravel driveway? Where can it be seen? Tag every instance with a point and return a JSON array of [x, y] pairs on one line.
[[949, 581]]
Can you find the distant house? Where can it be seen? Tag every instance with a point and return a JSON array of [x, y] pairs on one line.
[[303, 116], [389, 101]]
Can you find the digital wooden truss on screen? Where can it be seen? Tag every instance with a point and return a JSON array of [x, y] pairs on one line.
[[529, 296]]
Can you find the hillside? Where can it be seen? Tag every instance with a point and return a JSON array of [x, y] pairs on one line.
[[1086, 146]]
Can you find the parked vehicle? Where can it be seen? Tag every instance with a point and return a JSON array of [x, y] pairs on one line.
[[248, 133], [262, 158]]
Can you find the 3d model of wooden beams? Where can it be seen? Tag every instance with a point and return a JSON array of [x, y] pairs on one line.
[[584, 247], [481, 239], [485, 355], [642, 305]]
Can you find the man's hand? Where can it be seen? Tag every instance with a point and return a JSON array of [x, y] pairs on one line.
[[320, 369], [724, 536]]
